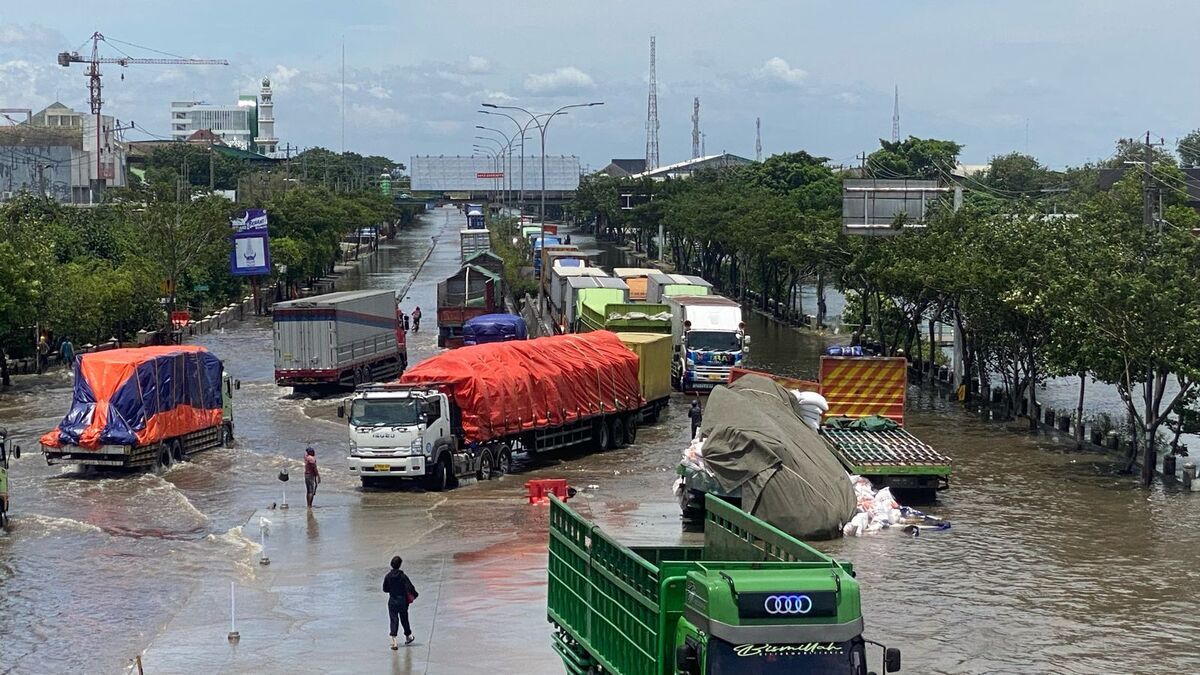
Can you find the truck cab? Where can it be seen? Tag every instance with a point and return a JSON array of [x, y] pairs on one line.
[[410, 431], [16, 453], [709, 339]]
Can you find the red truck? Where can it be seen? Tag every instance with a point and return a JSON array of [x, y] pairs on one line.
[[470, 292]]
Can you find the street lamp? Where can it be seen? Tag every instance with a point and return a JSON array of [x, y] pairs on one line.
[[524, 128], [508, 141], [495, 157], [542, 127]]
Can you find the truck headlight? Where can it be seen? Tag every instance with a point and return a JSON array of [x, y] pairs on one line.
[[417, 447], [353, 445]]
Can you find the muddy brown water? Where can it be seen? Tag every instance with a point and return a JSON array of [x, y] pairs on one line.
[[1054, 563]]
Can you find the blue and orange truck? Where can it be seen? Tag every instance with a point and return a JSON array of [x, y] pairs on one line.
[[145, 407]]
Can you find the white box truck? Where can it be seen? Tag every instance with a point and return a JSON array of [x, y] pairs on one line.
[[338, 340], [472, 242], [708, 338]]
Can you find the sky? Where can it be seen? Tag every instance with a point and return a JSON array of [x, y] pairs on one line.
[[1058, 79]]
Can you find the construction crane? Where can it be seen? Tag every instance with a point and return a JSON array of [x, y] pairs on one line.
[[67, 58]]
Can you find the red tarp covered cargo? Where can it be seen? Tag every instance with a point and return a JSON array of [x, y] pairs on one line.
[[507, 387], [140, 396]]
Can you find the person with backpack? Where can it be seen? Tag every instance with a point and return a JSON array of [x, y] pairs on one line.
[[416, 320], [401, 594]]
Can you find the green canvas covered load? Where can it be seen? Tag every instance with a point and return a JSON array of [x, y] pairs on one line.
[[755, 442]]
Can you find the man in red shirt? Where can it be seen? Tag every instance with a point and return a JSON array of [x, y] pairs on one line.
[[312, 477]]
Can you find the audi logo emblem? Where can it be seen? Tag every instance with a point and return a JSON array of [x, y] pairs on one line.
[[787, 604]]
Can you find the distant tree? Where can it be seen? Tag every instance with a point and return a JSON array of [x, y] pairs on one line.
[[1189, 149], [919, 158]]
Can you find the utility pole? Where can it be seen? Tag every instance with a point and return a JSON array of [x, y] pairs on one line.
[[1151, 455]]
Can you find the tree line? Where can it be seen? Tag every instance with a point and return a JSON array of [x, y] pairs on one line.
[[91, 274], [1043, 273]]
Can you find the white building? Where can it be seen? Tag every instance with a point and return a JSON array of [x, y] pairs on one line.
[[267, 142], [232, 123], [55, 154]]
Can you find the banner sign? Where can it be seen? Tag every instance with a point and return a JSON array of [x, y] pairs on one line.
[[251, 220], [251, 254], [489, 174]]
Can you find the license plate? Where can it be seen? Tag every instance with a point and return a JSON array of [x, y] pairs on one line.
[[383, 467]]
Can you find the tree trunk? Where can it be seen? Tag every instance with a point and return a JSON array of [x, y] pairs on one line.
[[1079, 409], [821, 299]]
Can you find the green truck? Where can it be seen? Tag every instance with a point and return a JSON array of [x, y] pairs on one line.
[[750, 599]]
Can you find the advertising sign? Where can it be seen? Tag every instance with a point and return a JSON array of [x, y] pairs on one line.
[[489, 174], [251, 254]]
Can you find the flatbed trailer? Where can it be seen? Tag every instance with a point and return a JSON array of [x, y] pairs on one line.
[[861, 386]]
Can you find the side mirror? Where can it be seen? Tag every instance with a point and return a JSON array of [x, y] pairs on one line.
[[341, 410], [745, 350], [891, 660], [746, 340], [686, 660], [237, 384], [16, 452]]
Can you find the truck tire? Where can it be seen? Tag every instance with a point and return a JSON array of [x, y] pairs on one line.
[[439, 478], [163, 459], [616, 434], [503, 461], [486, 464], [177, 451], [631, 429], [602, 436], [227, 435]]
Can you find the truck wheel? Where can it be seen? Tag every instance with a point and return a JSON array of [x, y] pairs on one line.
[[164, 458], [631, 429], [439, 479], [177, 451], [602, 435], [484, 471], [616, 435], [503, 462], [227, 435]]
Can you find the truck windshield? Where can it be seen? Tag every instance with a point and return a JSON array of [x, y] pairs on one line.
[[835, 658], [385, 413], [713, 341]]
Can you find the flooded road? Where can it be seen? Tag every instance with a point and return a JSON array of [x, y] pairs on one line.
[[1054, 563]]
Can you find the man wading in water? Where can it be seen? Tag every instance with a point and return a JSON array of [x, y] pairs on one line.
[[312, 477]]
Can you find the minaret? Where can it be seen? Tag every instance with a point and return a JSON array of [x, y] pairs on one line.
[[266, 141]]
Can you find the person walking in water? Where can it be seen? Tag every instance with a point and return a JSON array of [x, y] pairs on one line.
[[312, 477], [416, 320], [401, 594], [43, 355], [66, 352], [696, 414]]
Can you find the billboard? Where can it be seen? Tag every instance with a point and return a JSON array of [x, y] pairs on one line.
[[447, 174], [251, 254]]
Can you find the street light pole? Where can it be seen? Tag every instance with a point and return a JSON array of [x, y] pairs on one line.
[[542, 211], [524, 128], [487, 152], [508, 141], [499, 151]]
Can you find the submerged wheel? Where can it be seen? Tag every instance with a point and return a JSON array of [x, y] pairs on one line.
[[227, 435], [631, 429], [484, 472], [177, 451], [602, 435], [616, 435], [503, 462], [439, 480], [164, 457]]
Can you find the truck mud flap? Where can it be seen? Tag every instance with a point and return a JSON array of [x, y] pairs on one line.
[[575, 660]]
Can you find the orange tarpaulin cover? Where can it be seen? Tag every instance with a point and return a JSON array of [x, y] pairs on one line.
[[507, 387]]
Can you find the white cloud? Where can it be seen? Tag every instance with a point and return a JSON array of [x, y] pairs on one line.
[[379, 92], [478, 64], [848, 97], [498, 97], [779, 70], [561, 80]]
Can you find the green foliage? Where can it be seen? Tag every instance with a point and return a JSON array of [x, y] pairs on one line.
[[1189, 149], [919, 158]]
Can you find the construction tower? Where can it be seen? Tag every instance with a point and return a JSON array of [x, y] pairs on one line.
[[696, 127], [896, 117], [652, 116], [758, 139]]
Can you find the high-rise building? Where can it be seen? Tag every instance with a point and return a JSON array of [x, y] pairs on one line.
[[266, 141]]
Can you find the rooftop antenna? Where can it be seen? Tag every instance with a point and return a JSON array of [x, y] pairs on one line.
[[652, 116], [758, 139], [695, 127], [896, 117], [343, 94]]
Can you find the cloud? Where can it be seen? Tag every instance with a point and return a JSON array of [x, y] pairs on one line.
[[443, 127], [848, 97], [779, 70], [379, 92], [561, 80], [498, 97], [477, 64]]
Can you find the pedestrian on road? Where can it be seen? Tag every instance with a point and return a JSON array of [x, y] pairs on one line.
[[416, 320], [66, 352], [43, 354], [696, 414], [401, 594], [312, 477]]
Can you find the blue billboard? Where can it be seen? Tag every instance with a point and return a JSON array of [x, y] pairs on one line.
[[251, 254]]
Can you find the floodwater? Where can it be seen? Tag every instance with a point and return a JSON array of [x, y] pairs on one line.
[[1055, 563]]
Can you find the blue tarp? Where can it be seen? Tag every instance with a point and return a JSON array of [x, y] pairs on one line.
[[494, 328]]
